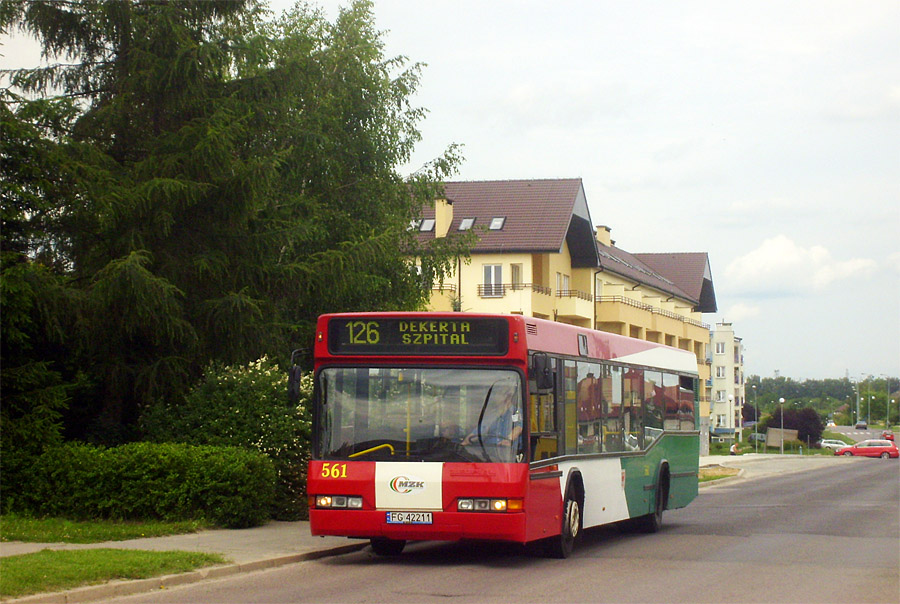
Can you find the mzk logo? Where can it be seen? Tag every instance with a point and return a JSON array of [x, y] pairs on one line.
[[403, 485]]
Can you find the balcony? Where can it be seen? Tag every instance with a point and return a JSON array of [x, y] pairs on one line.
[[499, 290], [618, 308], [574, 304]]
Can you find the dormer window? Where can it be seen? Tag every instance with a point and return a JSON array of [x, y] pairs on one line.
[[497, 223], [427, 225], [466, 224]]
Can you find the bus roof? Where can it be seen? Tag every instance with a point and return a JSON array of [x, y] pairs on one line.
[[533, 334]]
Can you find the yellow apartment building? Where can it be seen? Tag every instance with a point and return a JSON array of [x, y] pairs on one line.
[[538, 254]]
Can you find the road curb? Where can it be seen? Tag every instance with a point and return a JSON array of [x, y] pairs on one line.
[[117, 589]]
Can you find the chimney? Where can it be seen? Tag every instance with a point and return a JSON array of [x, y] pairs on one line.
[[443, 216], [603, 235]]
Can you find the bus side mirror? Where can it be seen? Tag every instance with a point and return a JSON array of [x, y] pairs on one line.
[[543, 375], [294, 375]]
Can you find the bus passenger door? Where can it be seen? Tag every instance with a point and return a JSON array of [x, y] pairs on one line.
[[543, 412]]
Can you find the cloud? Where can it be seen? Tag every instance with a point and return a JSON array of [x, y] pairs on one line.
[[779, 267], [740, 311], [893, 261]]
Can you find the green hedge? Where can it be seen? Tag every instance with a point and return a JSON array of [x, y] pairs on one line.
[[245, 406], [228, 486]]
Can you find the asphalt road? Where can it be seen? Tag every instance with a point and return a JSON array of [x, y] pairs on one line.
[[857, 435], [826, 533]]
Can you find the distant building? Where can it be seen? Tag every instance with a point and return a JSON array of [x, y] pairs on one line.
[[728, 390], [538, 254]]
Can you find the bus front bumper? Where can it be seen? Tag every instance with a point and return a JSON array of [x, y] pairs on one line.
[[445, 526]]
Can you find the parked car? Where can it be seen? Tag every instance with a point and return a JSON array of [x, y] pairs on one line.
[[887, 435], [832, 443], [862, 425], [760, 436], [871, 448]]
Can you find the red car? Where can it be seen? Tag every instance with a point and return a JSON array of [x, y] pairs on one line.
[[887, 435], [871, 448]]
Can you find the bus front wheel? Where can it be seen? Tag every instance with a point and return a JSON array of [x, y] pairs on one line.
[[561, 546], [387, 547]]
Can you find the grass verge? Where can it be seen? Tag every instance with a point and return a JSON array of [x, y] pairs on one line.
[[49, 570], [60, 530], [716, 472]]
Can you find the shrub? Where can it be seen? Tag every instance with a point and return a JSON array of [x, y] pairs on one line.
[[246, 406], [228, 486]]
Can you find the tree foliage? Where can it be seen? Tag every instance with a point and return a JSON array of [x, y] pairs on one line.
[[836, 398], [202, 179], [806, 421]]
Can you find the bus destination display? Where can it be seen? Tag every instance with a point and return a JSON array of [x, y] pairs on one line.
[[473, 336]]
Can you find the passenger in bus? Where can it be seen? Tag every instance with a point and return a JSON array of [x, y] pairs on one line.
[[450, 431], [506, 428]]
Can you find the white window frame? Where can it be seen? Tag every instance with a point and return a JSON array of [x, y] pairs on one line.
[[493, 280], [515, 276]]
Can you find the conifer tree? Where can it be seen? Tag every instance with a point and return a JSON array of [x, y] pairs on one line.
[[214, 179]]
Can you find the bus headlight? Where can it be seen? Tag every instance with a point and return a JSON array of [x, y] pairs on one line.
[[339, 502], [489, 505]]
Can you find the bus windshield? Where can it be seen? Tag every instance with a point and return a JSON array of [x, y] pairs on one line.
[[420, 414]]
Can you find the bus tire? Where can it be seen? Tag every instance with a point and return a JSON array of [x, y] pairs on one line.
[[652, 522], [562, 545], [387, 547]]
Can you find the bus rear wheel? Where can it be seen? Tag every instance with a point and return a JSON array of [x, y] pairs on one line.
[[562, 546], [387, 547], [652, 522]]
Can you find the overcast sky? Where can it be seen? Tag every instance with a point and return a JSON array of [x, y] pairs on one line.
[[766, 134]]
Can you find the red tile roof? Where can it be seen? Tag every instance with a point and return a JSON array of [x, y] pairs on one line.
[[689, 271], [538, 212], [541, 215]]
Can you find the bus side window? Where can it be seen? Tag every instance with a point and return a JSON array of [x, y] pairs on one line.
[[542, 401]]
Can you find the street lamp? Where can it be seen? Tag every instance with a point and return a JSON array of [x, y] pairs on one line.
[[755, 419], [781, 404], [889, 413], [731, 411], [869, 409], [858, 388]]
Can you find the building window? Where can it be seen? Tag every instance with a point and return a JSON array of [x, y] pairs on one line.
[[427, 225], [414, 224], [493, 281], [720, 371], [720, 347], [497, 223], [466, 224], [516, 276], [720, 396]]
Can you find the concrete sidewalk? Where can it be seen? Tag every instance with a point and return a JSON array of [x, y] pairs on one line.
[[273, 544], [241, 546]]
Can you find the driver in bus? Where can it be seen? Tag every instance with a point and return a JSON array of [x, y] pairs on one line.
[[506, 428]]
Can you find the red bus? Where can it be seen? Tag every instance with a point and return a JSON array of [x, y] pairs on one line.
[[449, 426]]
